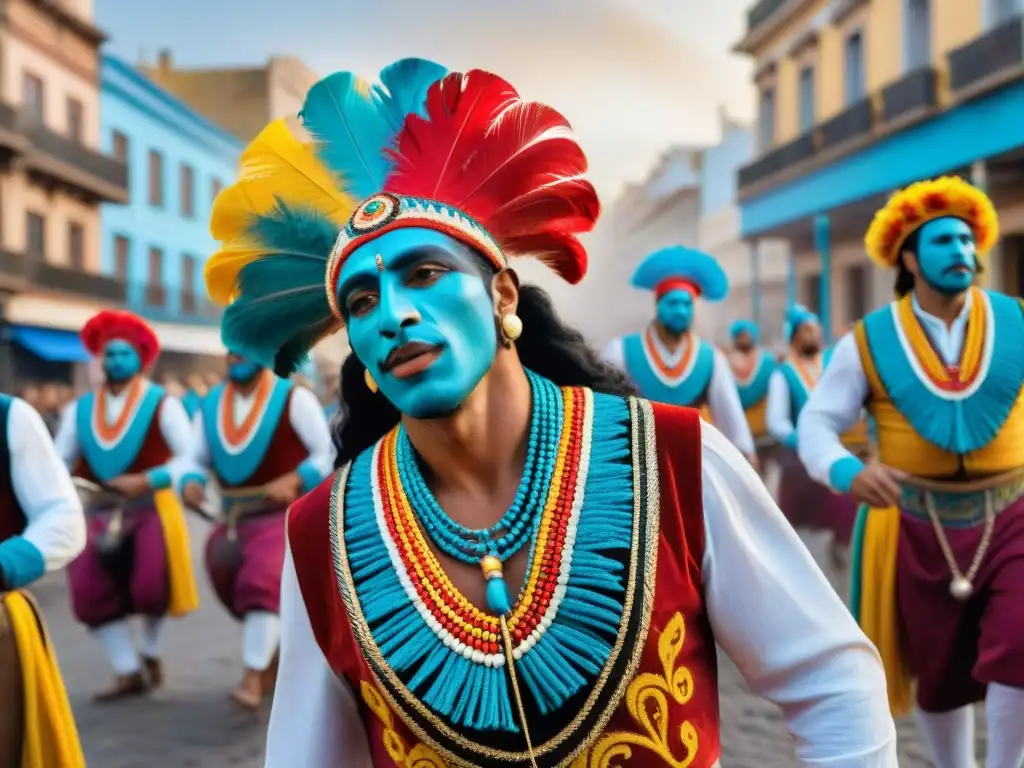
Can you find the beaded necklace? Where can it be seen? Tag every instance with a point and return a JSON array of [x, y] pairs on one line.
[[490, 681], [492, 547]]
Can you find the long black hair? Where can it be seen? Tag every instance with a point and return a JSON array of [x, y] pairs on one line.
[[547, 347]]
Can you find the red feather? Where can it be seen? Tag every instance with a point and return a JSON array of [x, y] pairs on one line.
[[513, 166]]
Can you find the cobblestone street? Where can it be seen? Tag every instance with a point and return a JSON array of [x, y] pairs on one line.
[[192, 724]]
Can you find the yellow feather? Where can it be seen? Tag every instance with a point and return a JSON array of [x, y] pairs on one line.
[[275, 166]]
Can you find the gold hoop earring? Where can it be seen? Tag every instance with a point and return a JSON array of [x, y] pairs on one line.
[[511, 326], [370, 383]]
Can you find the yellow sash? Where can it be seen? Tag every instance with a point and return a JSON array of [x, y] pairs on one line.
[[879, 616], [50, 739], [184, 595]]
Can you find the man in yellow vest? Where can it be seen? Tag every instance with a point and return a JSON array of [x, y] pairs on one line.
[[938, 559]]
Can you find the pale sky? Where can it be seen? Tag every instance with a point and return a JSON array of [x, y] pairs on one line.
[[633, 76]]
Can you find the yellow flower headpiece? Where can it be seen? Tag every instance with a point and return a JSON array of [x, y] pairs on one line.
[[911, 208]]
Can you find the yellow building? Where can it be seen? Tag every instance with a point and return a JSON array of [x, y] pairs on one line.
[[860, 97]]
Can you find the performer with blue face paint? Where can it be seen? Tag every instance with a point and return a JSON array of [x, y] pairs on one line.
[[515, 548], [752, 366], [668, 362], [265, 442], [131, 440], [806, 503], [939, 555], [41, 530]]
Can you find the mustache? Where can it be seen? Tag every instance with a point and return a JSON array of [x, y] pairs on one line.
[[406, 352]]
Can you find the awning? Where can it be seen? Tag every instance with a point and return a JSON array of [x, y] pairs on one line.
[[50, 344]]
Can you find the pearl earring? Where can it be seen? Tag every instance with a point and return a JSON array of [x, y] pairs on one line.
[[511, 326]]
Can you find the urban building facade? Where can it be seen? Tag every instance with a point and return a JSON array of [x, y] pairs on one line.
[[242, 100], [858, 98], [661, 210], [758, 272], [157, 244], [53, 179]]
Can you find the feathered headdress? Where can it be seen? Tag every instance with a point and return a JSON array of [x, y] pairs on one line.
[[458, 153], [113, 324], [913, 207], [678, 268]]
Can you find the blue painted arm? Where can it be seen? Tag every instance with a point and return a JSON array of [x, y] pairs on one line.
[[842, 473], [790, 442], [21, 562]]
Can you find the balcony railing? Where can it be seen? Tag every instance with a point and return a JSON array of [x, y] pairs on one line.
[[66, 280], [990, 60], [777, 160], [16, 269], [172, 304], [853, 122], [73, 163], [913, 93]]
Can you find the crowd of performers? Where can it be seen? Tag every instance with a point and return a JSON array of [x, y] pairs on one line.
[[529, 552]]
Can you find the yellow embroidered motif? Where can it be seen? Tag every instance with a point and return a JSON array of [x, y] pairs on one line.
[[419, 756], [647, 701]]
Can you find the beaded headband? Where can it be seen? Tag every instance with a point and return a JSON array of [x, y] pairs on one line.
[[384, 212]]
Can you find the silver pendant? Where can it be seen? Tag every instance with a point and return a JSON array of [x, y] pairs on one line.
[[961, 588]]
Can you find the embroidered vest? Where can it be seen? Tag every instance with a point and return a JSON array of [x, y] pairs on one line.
[[934, 420], [12, 518], [687, 386], [271, 448], [753, 390], [652, 695], [139, 447]]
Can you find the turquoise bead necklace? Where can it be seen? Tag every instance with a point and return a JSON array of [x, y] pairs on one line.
[[491, 547]]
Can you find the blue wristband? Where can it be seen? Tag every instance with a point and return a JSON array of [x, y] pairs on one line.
[[842, 473], [21, 562]]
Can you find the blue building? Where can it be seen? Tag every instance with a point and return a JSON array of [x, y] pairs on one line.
[[157, 244], [865, 100]]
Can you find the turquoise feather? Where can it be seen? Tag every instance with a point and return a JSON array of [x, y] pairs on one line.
[[288, 308], [350, 132], [404, 89], [353, 127]]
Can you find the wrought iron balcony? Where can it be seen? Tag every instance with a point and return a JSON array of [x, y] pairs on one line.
[[853, 122], [11, 138], [778, 159], [69, 162], [170, 304], [16, 270], [49, 276], [988, 61], [912, 94]]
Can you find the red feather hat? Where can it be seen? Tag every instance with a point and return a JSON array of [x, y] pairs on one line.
[[502, 175], [118, 324]]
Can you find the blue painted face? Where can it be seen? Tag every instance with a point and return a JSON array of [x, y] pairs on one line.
[[675, 311], [242, 371], [120, 361], [946, 255], [420, 317]]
